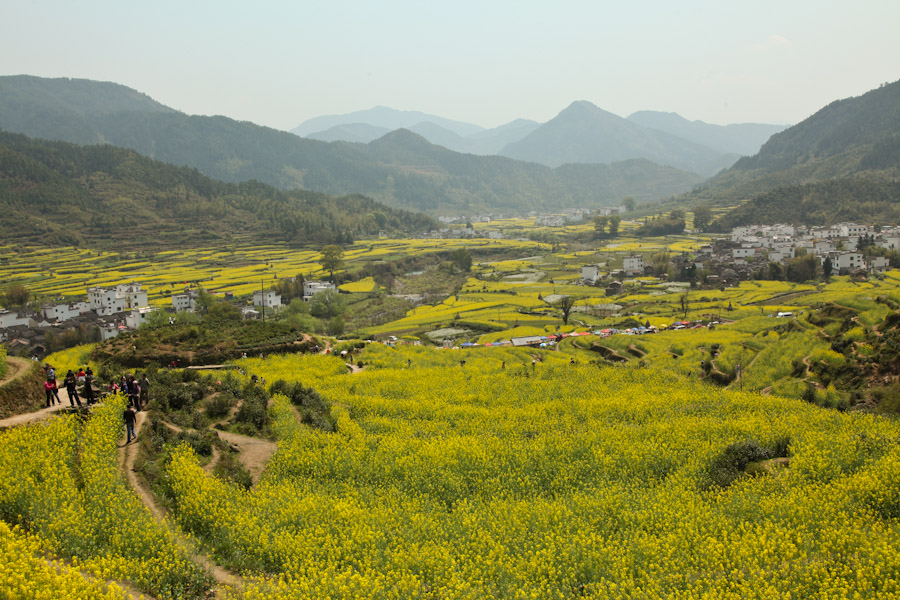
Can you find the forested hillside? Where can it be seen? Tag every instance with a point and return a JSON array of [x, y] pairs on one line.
[[402, 170], [57, 193], [846, 199], [854, 136]]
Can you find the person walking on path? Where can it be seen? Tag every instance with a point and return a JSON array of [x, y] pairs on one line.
[[134, 392], [50, 390], [71, 384], [129, 417], [89, 386], [145, 391], [51, 377]]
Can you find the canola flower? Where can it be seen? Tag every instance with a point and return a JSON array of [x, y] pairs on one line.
[[26, 574], [59, 480], [563, 481]]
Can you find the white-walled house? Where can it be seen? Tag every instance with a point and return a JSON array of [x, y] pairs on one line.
[[847, 262], [268, 298], [889, 242], [854, 230], [137, 316], [743, 253], [311, 288], [105, 302], [109, 330], [64, 312], [823, 247], [590, 273], [879, 264], [633, 265], [123, 297], [186, 301], [10, 318], [739, 233]]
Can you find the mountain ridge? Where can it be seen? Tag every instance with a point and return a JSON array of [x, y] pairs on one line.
[[235, 151], [585, 133], [851, 137]]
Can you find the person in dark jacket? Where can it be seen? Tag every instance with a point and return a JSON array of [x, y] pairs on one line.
[[71, 384], [129, 417], [89, 386]]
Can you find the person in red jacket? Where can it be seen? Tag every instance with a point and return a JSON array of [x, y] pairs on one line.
[[50, 390]]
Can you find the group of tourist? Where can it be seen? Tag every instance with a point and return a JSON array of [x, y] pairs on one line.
[[83, 377], [138, 391]]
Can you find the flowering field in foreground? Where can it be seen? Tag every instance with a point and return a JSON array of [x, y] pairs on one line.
[[59, 480], [24, 573], [550, 481]]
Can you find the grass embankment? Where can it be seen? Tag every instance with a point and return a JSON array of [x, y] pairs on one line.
[[23, 389]]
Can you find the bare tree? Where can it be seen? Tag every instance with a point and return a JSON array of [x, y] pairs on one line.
[[565, 305]]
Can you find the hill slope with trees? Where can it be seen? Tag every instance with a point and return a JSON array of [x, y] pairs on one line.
[[854, 137], [845, 199], [56, 193]]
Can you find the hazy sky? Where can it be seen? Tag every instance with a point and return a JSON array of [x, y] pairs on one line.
[[485, 62]]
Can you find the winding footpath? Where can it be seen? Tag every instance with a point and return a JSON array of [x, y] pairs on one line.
[[226, 581]]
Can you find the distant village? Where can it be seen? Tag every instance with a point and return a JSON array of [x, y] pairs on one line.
[[565, 217], [750, 249], [738, 257], [114, 310]]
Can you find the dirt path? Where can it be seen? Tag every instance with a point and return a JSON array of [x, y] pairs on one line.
[[127, 457], [225, 580], [737, 380], [354, 368], [783, 298], [15, 368], [32, 417], [253, 453]]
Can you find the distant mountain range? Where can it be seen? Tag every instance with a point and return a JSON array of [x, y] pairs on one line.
[[365, 126], [582, 133], [851, 138], [401, 168]]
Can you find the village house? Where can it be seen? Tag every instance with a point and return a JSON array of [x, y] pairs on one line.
[[267, 299], [847, 262], [633, 265], [9, 319], [823, 247], [889, 242], [123, 297], [138, 316], [590, 274], [854, 230], [879, 264], [64, 312], [185, 302], [311, 288]]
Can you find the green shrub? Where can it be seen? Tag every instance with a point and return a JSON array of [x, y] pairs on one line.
[[726, 467], [219, 405]]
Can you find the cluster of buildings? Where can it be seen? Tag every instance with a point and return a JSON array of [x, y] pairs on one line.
[[749, 249], [839, 243], [113, 310]]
